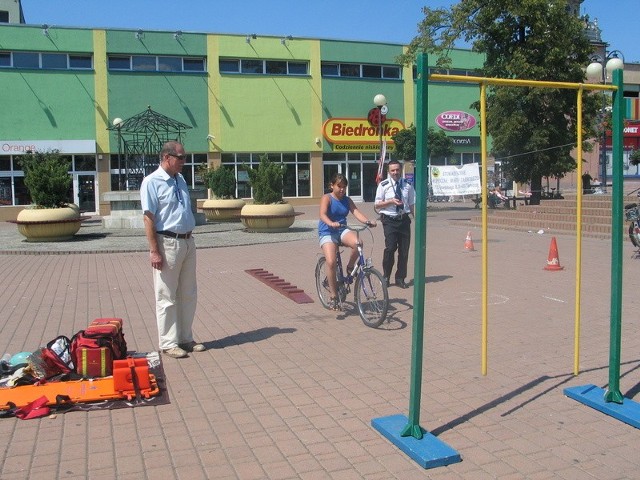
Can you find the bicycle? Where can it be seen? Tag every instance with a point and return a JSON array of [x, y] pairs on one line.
[[370, 289]]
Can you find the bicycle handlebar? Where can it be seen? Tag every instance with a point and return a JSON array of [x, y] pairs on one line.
[[357, 228]]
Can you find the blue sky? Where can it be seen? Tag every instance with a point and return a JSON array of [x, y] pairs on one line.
[[371, 20]]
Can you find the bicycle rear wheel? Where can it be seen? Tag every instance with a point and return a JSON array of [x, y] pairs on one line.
[[322, 284], [372, 297]]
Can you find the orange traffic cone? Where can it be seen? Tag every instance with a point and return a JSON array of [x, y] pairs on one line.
[[553, 261], [468, 243]]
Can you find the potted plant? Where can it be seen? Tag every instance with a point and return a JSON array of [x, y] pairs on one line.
[[50, 218], [268, 212], [224, 207]]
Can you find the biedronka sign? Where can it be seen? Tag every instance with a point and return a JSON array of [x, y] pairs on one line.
[[357, 134]]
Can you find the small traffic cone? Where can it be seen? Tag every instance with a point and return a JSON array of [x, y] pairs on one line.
[[468, 243], [553, 261]]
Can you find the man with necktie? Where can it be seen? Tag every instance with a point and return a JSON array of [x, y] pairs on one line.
[[395, 200]]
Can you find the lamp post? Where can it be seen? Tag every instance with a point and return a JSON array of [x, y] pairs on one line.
[[600, 70], [117, 122], [380, 101]]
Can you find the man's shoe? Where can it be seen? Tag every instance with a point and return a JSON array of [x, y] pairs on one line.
[[193, 347], [175, 352], [401, 283]]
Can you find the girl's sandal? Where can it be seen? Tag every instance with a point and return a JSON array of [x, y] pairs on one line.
[[334, 305]]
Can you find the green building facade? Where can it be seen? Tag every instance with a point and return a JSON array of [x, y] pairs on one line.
[[305, 102]]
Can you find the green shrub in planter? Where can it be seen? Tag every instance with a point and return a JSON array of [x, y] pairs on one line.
[[46, 176], [266, 180], [221, 181]]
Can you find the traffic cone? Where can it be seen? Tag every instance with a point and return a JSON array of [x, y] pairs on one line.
[[553, 261], [468, 243]]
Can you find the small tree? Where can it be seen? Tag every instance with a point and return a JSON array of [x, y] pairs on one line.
[[46, 176], [634, 158], [440, 145], [266, 180], [221, 181]]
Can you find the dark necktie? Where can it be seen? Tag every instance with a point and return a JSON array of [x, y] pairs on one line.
[[399, 208]]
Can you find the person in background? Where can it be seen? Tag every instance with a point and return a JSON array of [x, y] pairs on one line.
[[496, 197], [168, 223], [586, 183], [334, 208], [395, 200]]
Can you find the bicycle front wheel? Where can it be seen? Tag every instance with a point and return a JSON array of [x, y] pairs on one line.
[[322, 284], [372, 297]]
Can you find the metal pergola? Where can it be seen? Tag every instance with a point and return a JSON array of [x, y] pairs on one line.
[[140, 139]]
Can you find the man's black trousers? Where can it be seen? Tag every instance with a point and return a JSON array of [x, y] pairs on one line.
[[397, 236]]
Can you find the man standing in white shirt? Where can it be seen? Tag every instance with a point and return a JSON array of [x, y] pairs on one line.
[[395, 200], [168, 223]]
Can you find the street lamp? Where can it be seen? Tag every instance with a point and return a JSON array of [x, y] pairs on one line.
[[380, 101], [600, 70], [117, 123]]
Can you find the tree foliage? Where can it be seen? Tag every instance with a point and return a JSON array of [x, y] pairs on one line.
[[267, 181], [221, 181], [405, 142], [46, 176], [533, 129]]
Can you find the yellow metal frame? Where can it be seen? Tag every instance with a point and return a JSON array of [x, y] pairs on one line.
[[580, 87]]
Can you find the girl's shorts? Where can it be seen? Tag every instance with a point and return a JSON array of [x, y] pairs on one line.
[[334, 237]]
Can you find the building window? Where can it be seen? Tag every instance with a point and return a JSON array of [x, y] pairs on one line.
[[297, 172], [356, 70], [152, 63], [45, 60], [251, 66]]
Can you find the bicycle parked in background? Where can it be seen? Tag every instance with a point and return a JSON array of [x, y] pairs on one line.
[[369, 288]]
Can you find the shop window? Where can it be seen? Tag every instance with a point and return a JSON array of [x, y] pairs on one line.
[[391, 72], [4, 16], [6, 198], [5, 163], [5, 59], [85, 163], [329, 69], [22, 194]]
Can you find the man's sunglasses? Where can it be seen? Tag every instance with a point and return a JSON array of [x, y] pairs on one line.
[[179, 157]]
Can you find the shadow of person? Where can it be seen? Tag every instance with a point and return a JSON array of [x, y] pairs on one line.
[[247, 337]]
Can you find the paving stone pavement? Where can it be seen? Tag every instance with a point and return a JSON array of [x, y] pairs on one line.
[[288, 391]]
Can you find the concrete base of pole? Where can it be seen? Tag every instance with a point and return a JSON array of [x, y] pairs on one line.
[[428, 452], [594, 397]]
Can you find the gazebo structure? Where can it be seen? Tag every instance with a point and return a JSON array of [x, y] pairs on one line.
[[140, 139]]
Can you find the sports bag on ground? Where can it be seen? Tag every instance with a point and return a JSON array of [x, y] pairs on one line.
[[95, 348]]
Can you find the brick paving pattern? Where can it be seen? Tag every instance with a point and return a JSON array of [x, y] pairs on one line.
[[288, 391]]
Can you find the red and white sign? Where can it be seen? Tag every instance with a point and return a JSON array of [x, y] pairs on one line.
[[456, 121]]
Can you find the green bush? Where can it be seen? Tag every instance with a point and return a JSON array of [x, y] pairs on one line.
[[634, 158], [46, 176], [266, 180], [221, 181]]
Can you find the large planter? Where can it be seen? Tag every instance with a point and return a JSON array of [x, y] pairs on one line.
[[267, 218], [219, 210], [49, 224]]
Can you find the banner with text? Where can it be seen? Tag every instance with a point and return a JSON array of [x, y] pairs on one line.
[[453, 180]]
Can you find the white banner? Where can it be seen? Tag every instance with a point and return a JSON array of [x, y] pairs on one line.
[[453, 180]]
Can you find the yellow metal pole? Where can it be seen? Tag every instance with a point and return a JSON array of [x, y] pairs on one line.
[[485, 249], [576, 333], [512, 82]]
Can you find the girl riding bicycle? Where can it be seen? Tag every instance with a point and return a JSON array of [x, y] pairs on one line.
[[334, 208]]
